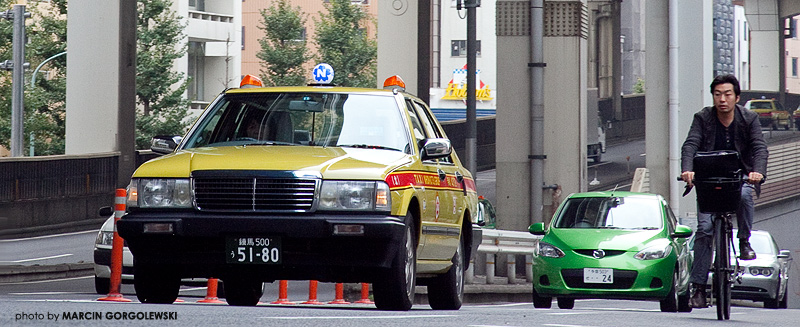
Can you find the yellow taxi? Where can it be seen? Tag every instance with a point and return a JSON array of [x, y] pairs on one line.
[[771, 113], [324, 183]]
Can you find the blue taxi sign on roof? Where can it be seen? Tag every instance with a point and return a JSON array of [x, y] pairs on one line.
[[323, 74]]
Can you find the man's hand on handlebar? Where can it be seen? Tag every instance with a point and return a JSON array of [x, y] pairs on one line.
[[755, 178], [688, 177]]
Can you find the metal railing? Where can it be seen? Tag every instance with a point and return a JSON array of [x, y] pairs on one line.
[[509, 243]]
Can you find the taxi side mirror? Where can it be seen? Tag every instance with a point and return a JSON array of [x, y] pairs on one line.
[[165, 144], [435, 148]]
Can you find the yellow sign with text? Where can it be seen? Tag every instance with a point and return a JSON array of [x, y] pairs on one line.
[[456, 92]]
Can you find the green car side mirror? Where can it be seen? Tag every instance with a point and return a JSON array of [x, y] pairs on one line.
[[682, 231], [536, 229]]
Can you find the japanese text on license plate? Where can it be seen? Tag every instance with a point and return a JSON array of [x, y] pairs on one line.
[[255, 250], [598, 275]]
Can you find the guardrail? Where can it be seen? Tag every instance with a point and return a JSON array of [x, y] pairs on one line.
[[504, 242]]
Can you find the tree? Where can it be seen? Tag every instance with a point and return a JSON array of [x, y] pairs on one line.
[[44, 114], [345, 45], [638, 88], [159, 89], [283, 47]]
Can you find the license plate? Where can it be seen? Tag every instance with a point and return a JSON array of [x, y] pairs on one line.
[[598, 275], [253, 250]]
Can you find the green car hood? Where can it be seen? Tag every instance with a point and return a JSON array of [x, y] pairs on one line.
[[607, 239]]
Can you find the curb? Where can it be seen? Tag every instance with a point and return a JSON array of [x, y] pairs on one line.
[[19, 273]]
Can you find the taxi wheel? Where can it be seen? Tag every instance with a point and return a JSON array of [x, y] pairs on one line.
[[243, 291], [155, 284], [447, 291], [670, 303], [541, 302], [564, 303], [396, 290]]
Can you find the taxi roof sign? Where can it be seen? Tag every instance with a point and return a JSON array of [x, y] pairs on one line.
[[323, 74], [251, 81], [394, 83]]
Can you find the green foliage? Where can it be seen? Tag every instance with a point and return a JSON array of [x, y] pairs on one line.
[[159, 89], [638, 88], [44, 114], [283, 47], [345, 45]]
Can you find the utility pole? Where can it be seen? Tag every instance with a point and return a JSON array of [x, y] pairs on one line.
[[472, 49], [17, 66]]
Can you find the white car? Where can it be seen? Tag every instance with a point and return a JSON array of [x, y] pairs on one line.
[[102, 263], [765, 278]]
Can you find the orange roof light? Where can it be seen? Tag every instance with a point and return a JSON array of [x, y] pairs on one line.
[[251, 81], [394, 82]]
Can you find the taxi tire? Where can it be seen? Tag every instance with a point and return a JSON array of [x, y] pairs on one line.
[[102, 285], [447, 291], [395, 292], [541, 302], [243, 291], [155, 284], [670, 303]]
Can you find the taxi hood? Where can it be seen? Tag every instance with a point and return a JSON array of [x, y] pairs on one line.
[[330, 162]]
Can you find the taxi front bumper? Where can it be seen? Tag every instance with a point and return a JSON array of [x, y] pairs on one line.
[[310, 250]]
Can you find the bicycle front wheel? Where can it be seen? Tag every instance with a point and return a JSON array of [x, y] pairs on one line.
[[722, 270]]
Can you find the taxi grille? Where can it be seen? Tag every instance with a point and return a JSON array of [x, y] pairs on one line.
[[254, 194]]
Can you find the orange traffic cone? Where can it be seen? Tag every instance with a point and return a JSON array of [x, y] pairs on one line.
[[312, 293], [283, 293], [365, 295], [339, 295], [211, 292]]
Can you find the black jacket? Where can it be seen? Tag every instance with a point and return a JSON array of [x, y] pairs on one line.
[[749, 141]]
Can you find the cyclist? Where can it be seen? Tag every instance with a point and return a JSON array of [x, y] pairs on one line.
[[724, 126]]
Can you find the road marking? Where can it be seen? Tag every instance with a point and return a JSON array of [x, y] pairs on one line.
[[360, 317], [497, 305], [46, 293], [48, 281], [49, 236], [570, 313], [37, 259], [560, 325]]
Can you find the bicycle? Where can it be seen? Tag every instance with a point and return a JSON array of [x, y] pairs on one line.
[[718, 193]]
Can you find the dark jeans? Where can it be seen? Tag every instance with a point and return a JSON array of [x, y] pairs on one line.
[[704, 236]]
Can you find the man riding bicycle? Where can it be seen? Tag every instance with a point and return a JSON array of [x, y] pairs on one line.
[[724, 126]]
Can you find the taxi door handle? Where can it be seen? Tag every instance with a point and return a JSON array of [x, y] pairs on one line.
[[442, 175]]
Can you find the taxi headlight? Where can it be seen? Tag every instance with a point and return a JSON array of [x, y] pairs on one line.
[[659, 250], [548, 250], [355, 195], [160, 193]]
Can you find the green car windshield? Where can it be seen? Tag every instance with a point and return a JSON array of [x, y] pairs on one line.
[[611, 213], [302, 119]]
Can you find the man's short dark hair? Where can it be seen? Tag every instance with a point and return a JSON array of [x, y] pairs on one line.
[[726, 79]]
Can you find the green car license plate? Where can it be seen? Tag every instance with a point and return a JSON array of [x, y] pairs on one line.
[[253, 250], [598, 275]]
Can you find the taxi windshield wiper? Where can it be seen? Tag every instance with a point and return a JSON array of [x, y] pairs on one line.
[[266, 143], [367, 146]]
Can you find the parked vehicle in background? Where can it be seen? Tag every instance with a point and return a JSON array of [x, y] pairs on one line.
[[765, 278], [487, 218], [796, 118], [771, 113], [612, 245]]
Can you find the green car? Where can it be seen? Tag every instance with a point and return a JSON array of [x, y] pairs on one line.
[[612, 245]]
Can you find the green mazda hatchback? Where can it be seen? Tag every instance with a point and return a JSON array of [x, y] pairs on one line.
[[612, 245]]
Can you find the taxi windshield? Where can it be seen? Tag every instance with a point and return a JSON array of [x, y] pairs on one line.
[[610, 213], [302, 119]]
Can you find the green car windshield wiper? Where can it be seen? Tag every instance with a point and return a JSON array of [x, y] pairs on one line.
[[367, 146]]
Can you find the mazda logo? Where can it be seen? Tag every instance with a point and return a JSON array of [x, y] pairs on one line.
[[599, 254]]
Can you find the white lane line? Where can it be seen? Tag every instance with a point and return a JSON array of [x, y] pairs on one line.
[[49, 236], [570, 313], [360, 317], [48, 281], [560, 325], [37, 259], [46, 293], [497, 305]]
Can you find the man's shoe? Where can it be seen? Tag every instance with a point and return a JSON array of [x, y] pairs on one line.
[[747, 252], [698, 299]]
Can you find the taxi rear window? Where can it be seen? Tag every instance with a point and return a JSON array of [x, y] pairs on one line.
[[302, 119]]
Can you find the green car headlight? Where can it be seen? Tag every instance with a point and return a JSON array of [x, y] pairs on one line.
[[355, 195], [658, 250], [548, 250], [160, 193]]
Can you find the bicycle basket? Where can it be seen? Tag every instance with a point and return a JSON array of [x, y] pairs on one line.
[[717, 181]]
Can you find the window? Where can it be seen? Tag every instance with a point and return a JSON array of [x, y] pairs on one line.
[[196, 70], [458, 48], [242, 37], [198, 5], [794, 67]]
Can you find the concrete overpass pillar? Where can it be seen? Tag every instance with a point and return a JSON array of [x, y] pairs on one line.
[[565, 56], [766, 31], [101, 81]]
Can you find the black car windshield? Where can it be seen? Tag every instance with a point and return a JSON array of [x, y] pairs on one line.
[[302, 119], [611, 213]]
